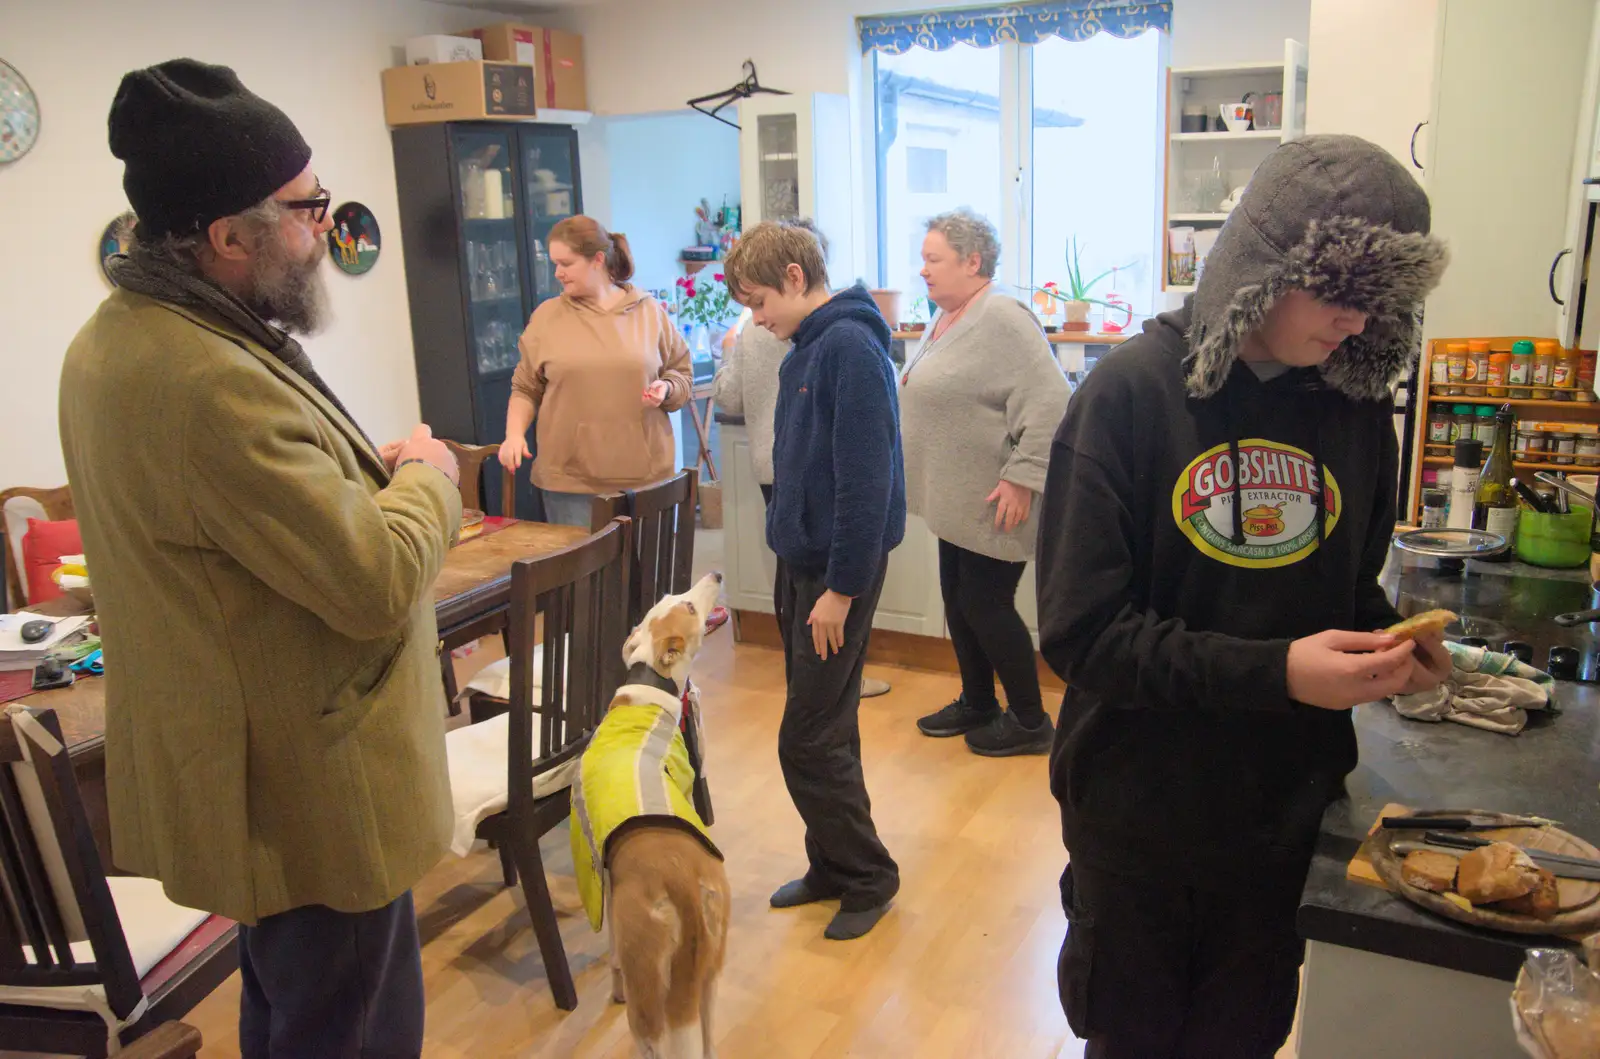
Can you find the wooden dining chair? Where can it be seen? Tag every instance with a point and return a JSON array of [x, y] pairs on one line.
[[568, 611], [84, 958], [17, 505], [663, 558]]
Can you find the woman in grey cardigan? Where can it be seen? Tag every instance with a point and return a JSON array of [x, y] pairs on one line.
[[979, 404]]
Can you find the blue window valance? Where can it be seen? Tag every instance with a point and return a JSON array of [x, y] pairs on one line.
[[985, 27]]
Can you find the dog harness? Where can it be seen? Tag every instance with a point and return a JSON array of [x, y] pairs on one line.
[[636, 770]]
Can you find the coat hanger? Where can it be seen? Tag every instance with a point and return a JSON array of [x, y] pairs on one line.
[[742, 90]]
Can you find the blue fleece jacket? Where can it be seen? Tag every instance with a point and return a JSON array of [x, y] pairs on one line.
[[838, 483]]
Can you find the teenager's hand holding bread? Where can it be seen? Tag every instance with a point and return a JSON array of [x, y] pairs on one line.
[[1339, 669]]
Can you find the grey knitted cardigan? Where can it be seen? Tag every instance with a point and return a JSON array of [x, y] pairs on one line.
[[980, 404], [747, 385]]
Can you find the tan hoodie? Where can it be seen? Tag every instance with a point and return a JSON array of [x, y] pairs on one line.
[[585, 369]]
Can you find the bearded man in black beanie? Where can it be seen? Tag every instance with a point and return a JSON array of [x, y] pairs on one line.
[[263, 577]]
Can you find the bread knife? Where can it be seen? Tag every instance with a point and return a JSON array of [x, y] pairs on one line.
[[1460, 823], [1561, 864]]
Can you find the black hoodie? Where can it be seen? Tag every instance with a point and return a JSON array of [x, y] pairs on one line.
[[1170, 588]]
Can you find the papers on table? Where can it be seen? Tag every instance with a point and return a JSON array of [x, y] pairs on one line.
[[14, 654]]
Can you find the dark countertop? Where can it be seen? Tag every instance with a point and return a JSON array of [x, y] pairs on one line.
[[1551, 769]]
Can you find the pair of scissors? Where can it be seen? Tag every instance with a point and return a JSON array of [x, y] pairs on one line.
[[90, 664]]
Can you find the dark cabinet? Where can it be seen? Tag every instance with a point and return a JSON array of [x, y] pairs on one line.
[[477, 202]]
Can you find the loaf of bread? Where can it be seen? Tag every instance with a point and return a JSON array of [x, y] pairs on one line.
[[1496, 872], [1428, 622], [1429, 870], [1542, 902]]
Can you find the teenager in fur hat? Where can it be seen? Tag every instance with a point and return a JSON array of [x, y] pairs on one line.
[[1219, 503]]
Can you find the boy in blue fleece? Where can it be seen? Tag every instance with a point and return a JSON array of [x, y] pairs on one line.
[[838, 508]]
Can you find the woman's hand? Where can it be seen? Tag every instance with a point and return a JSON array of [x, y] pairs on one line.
[[655, 393], [1013, 503], [513, 451], [827, 623]]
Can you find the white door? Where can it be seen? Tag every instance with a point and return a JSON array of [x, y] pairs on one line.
[[1574, 260], [1373, 72]]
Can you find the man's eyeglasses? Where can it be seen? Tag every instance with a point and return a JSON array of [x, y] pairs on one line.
[[318, 206]]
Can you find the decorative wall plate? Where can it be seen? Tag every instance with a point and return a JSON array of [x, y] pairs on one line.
[[354, 242], [114, 240], [19, 114]]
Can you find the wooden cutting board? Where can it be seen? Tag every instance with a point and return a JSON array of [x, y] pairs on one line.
[[1580, 899]]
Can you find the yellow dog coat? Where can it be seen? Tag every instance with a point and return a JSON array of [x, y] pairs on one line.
[[635, 770]]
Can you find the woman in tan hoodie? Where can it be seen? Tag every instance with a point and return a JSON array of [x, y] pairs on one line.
[[601, 367]]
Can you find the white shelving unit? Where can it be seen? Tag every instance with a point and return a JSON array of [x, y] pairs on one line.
[[1191, 155]]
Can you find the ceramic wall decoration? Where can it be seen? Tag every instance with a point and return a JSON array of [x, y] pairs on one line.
[[354, 241], [114, 240], [19, 114]]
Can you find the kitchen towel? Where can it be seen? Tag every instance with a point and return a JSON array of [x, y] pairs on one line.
[[1486, 689]]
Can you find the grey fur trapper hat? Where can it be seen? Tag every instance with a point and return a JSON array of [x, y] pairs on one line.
[[1340, 218]]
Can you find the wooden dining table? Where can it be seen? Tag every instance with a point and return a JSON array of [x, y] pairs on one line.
[[472, 592]]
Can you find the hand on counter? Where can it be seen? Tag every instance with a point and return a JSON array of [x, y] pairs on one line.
[[1012, 504], [1338, 669], [827, 623]]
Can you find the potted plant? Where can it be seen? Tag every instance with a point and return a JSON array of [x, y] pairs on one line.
[[921, 313], [1075, 295]]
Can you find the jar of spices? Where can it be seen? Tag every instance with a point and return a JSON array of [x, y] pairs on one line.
[[1463, 422], [1521, 374], [1439, 372], [1563, 446], [1430, 479], [1483, 429], [1564, 378], [1440, 418], [1499, 368], [1456, 365], [1586, 449], [1477, 365], [1544, 367], [1435, 508], [1531, 442], [1585, 390]]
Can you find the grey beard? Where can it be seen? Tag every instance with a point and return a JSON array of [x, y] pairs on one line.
[[290, 293]]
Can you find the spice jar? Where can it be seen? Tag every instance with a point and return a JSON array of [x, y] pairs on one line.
[[1564, 377], [1521, 373], [1439, 372], [1585, 390], [1483, 429], [1563, 446], [1544, 367], [1440, 419], [1455, 354], [1462, 422], [1477, 364], [1586, 448], [1435, 508], [1499, 368], [1531, 442]]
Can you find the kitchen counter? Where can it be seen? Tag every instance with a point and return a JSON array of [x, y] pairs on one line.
[[1381, 973]]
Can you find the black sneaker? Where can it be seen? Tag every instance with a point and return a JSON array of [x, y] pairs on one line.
[[1005, 736], [955, 719]]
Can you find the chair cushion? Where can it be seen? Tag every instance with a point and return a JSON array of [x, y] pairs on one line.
[[17, 511], [494, 679], [42, 548], [479, 757]]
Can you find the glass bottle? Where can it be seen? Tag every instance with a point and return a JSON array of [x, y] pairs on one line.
[[1495, 505]]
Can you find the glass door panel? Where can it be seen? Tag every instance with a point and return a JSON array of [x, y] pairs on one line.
[[550, 195], [485, 181]]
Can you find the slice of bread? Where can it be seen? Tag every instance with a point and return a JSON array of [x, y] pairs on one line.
[[1496, 872], [1429, 621], [1429, 870], [1542, 902]]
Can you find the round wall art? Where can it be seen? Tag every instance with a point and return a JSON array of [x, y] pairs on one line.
[[114, 240], [354, 241], [19, 114]]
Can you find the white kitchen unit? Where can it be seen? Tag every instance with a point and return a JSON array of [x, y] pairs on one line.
[[783, 175], [1202, 167]]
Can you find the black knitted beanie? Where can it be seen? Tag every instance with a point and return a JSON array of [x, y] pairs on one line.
[[198, 145]]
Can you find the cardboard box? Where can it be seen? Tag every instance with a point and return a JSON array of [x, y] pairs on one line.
[[440, 48], [555, 55], [414, 95]]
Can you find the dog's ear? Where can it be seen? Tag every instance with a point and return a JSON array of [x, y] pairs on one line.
[[669, 651]]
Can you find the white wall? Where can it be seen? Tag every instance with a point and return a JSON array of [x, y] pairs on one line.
[[317, 60], [660, 167], [652, 56]]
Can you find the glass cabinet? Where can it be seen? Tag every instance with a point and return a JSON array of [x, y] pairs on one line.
[[477, 203], [783, 174]]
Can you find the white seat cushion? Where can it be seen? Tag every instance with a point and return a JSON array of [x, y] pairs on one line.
[[494, 679], [478, 755], [18, 510]]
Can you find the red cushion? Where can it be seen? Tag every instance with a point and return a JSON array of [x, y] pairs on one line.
[[42, 548]]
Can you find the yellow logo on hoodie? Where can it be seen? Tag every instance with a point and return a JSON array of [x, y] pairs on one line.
[[1278, 488]]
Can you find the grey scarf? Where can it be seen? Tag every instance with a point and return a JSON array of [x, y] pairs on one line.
[[144, 274]]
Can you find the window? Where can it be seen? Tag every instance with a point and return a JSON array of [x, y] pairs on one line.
[[1045, 118], [927, 170]]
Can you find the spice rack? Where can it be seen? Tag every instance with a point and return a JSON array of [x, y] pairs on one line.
[[1433, 455]]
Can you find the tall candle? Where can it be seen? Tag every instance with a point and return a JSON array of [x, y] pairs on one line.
[[494, 200]]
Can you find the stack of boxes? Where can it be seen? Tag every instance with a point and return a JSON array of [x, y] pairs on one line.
[[505, 71]]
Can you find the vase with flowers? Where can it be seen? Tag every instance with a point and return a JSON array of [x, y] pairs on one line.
[[705, 305]]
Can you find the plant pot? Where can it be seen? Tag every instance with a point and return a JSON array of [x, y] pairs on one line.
[[710, 505], [888, 303], [914, 328], [1077, 314]]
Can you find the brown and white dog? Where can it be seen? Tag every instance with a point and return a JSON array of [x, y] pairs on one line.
[[666, 891]]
